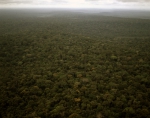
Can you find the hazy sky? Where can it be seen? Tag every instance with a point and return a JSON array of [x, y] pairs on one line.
[[139, 4]]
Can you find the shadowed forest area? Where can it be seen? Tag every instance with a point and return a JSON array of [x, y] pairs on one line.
[[73, 65]]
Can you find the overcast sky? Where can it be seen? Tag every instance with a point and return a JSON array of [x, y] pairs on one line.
[[139, 4]]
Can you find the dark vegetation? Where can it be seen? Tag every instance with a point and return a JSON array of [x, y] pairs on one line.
[[74, 65]]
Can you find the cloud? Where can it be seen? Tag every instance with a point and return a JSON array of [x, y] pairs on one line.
[[77, 3], [33, 2], [136, 1], [69, 1], [16, 1], [120, 0], [58, 2]]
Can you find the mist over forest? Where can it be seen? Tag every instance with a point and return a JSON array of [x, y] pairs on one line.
[[126, 13], [74, 63]]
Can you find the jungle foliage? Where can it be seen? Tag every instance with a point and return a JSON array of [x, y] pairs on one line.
[[73, 65]]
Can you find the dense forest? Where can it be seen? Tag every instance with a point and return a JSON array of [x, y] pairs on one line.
[[73, 65]]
